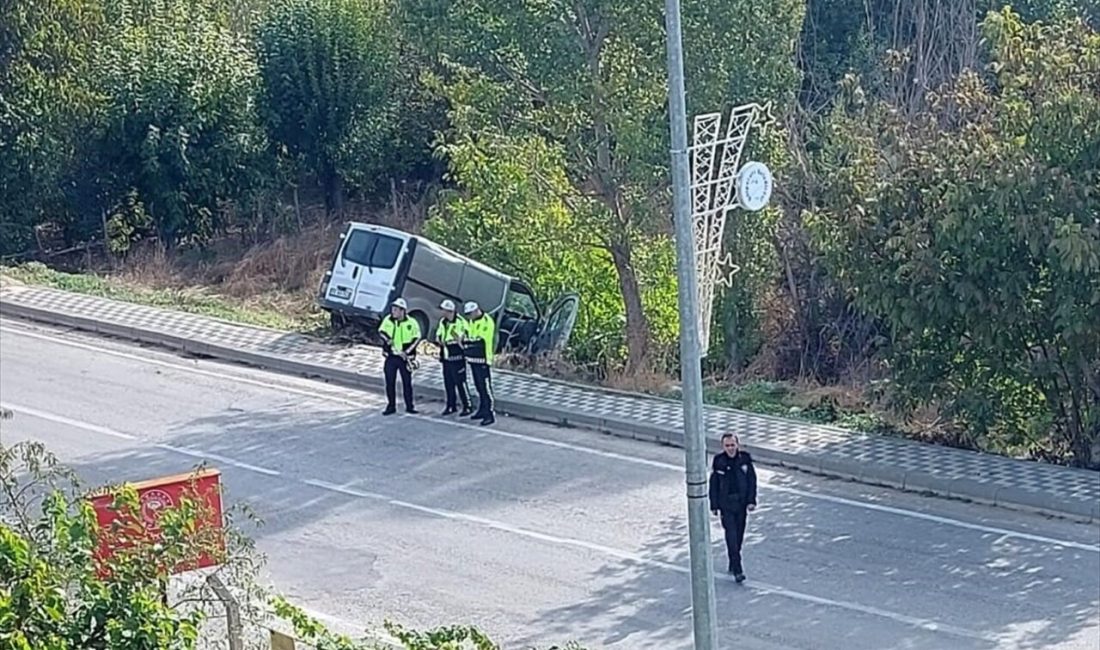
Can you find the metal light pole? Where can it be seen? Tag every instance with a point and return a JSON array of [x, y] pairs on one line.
[[695, 447]]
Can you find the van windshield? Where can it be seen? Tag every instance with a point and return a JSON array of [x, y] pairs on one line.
[[372, 249]]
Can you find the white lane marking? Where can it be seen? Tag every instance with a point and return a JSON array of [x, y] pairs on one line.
[[95, 428], [61, 419], [764, 588], [1002, 532], [759, 587], [764, 473], [205, 455]]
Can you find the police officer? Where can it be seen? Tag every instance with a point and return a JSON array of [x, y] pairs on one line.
[[400, 336], [448, 334], [479, 340], [733, 497]]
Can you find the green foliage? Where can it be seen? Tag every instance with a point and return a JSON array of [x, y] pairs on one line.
[[329, 80], [180, 131], [947, 184], [782, 399], [59, 592], [53, 595], [459, 637], [519, 186], [589, 79], [971, 230], [45, 101], [927, 41]]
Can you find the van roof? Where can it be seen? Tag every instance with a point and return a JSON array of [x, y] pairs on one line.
[[401, 234]]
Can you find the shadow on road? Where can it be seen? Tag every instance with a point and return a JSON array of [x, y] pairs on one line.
[[1011, 593]]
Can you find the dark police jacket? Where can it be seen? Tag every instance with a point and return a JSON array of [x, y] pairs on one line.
[[732, 482]]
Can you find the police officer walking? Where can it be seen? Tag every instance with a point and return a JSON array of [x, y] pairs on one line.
[[449, 334], [733, 496], [400, 336], [479, 340]]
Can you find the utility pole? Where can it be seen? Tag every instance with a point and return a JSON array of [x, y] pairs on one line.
[[691, 378]]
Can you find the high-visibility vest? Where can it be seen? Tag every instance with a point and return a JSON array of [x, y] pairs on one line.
[[480, 336], [400, 332], [449, 334]]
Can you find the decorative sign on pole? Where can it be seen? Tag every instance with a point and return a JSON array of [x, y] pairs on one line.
[[717, 186], [154, 497]]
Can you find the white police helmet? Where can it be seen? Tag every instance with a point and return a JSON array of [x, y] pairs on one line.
[[470, 307], [400, 302], [447, 305]]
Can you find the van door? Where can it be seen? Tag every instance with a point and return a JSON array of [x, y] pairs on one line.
[[366, 269], [340, 287], [520, 319], [561, 318]]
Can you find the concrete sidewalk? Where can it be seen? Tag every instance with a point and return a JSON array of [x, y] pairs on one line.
[[815, 448]]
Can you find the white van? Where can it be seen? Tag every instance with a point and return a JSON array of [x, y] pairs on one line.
[[374, 265]]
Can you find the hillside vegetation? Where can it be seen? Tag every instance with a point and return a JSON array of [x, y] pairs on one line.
[[930, 264]]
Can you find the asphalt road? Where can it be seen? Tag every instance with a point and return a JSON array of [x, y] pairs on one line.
[[541, 535]]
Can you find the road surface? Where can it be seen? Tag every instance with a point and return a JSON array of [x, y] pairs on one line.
[[542, 535]]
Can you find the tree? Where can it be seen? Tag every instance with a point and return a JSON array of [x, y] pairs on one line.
[[180, 138], [45, 103], [518, 186], [971, 230], [901, 52], [328, 70], [589, 79], [53, 591]]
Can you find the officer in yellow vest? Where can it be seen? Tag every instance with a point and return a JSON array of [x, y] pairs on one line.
[[448, 335], [400, 336], [479, 341]]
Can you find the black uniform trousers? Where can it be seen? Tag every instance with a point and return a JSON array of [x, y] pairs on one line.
[[394, 365], [454, 383], [483, 382], [733, 523]]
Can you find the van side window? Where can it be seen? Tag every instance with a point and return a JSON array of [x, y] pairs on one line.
[[373, 250]]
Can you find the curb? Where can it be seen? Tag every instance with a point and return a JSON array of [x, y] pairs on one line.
[[877, 474]]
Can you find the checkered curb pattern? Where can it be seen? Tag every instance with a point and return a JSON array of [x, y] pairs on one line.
[[815, 446]]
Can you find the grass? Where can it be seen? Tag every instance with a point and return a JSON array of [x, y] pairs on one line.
[[190, 300], [272, 285], [817, 404]]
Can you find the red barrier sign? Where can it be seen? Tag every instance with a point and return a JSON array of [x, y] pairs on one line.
[[157, 495]]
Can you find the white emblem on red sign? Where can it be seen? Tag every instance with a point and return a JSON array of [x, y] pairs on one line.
[[152, 503]]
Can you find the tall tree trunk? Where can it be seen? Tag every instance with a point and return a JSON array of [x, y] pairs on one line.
[[734, 354], [334, 192], [637, 325]]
